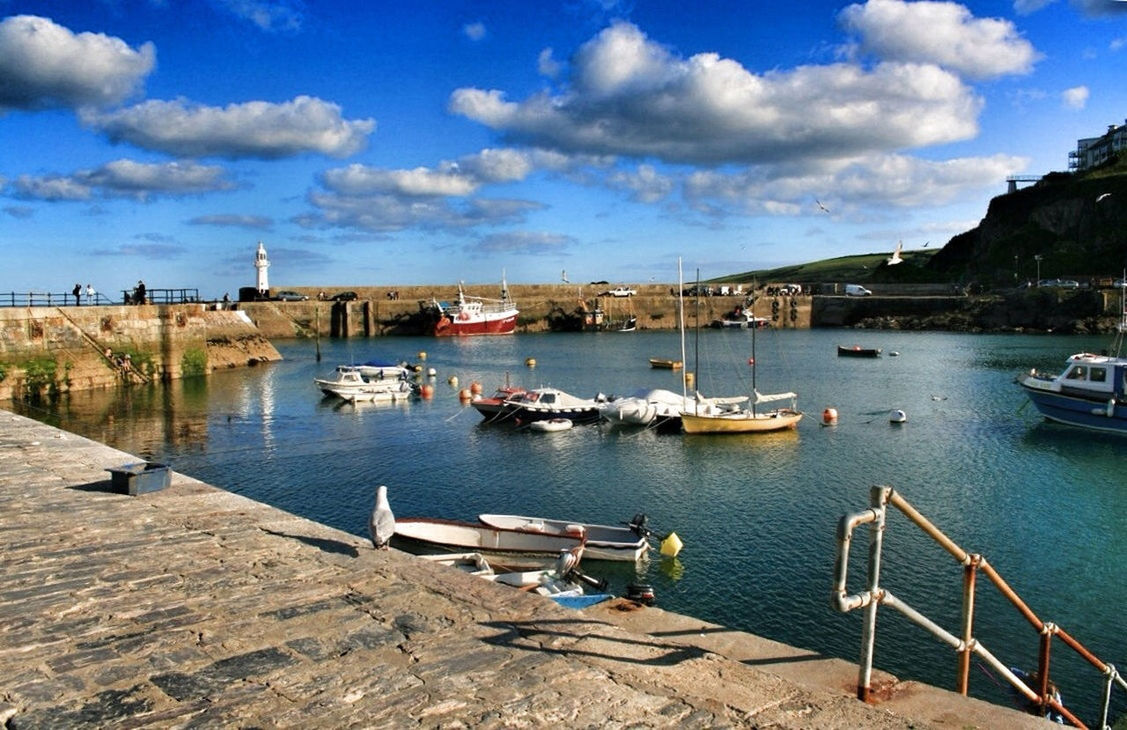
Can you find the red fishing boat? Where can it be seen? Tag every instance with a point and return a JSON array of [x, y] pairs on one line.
[[476, 315]]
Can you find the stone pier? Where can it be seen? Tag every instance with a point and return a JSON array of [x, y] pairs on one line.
[[195, 607]]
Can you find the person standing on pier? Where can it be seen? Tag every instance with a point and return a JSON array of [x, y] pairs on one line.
[[77, 292], [90, 294]]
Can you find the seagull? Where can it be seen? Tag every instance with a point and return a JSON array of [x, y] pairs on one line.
[[926, 243], [1102, 196], [824, 208], [895, 259], [381, 526], [563, 276]]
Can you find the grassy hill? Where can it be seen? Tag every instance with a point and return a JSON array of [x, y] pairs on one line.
[[857, 269]]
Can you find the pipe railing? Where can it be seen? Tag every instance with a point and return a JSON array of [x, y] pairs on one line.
[[965, 644], [68, 299]]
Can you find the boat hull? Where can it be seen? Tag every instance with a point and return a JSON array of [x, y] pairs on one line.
[[429, 536], [740, 422], [604, 542], [502, 325], [857, 351], [1098, 414]]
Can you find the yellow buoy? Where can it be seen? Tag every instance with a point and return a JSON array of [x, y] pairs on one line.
[[422, 356], [829, 416], [671, 545], [475, 388], [453, 380], [689, 378], [530, 362]]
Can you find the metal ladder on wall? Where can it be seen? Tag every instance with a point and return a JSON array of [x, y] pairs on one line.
[[126, 371], [881, 497]]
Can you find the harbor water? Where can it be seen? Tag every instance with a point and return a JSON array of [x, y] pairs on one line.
[[1045, 504]]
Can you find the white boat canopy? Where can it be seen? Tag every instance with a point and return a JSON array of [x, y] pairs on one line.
[[771, 397]]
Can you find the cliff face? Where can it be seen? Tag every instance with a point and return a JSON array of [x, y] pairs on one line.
[[1077, 225]]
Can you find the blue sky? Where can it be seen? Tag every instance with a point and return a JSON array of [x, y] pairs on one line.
[[424, 142]]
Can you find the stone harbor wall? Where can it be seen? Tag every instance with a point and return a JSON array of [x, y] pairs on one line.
[[45, 351]]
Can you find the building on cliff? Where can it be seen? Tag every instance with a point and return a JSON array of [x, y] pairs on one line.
[[1094, 151]]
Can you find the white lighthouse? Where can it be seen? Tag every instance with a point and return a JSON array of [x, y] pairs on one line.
[[261, 264]]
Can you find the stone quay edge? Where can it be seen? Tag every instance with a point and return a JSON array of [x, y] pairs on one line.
[[195, 607]]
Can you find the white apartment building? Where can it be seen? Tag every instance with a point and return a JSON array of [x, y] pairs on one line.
[[1095, 151]]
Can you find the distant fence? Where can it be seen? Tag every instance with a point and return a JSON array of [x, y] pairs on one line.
[[68, 299]]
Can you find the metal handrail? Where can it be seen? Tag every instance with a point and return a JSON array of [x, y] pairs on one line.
[[966, 644]]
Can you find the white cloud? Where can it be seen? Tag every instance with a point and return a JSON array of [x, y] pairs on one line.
[[252, 129], [1101, 7], [124, 179], [1025, 7], [880, 181], [44, 65], [233, 220], [268, 15], [645, 184], [546, 65], [523, 242], [1075, 98], [376, 213], [943, 33], [629, 96], [1117, 44], [474, 31]]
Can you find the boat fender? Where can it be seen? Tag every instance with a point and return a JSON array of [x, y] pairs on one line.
[[1111, 408], [793, 315], [574, 530], [775, 305], [793, 303]]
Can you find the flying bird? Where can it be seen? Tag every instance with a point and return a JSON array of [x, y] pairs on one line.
[[1102, 196], [824, 208], [926, 243], [895, 258], [563, 277], [381, 525]]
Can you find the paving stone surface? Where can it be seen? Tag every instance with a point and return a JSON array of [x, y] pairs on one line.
[[194, 607]]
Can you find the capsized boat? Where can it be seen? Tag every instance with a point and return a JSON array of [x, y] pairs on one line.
[[515, 548], [604, 542], [350, 384], [475, 315], [1091, 391]]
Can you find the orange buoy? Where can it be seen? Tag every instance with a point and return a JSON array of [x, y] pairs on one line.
[[475, 388], [426, 391], [829, 416], [464, 394]]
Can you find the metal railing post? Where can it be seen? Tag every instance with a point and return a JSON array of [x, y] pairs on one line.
[[878, 499], [970, 571]]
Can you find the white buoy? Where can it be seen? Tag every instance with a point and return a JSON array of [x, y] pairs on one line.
[[432, 372], [829, 416], [898, 416]]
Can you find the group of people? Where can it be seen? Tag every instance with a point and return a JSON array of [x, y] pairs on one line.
[[90, 294], [138, 296]]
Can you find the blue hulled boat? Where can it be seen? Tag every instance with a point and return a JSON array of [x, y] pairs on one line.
[[1091, 391]]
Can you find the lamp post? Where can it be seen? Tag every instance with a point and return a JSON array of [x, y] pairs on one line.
[[1037, 258], [1015, 267]]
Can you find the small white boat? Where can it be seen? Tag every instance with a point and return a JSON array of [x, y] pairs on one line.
[[514, 548], [604, 542], [560, 582], [543, 404], [550, 425], [349, 383]]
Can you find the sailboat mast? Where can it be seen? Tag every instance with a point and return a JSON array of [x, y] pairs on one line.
[[696, 337], [754, 362], [681, 327]]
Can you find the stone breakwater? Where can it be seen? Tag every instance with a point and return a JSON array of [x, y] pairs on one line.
[[45, 351], [194, 607]]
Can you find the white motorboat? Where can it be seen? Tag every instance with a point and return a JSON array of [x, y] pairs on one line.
[[604, 542], [350, 384], [516, 549], [542, 404]]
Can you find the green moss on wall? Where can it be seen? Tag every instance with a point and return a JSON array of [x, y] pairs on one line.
[[193, 363]]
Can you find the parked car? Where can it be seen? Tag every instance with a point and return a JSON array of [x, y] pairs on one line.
[[856, 290], [289, 296], [344, 296], [1062, 283], [619, 291]]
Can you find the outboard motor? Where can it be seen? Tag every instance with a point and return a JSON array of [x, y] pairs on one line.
[[641, 592], [638, 525]]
